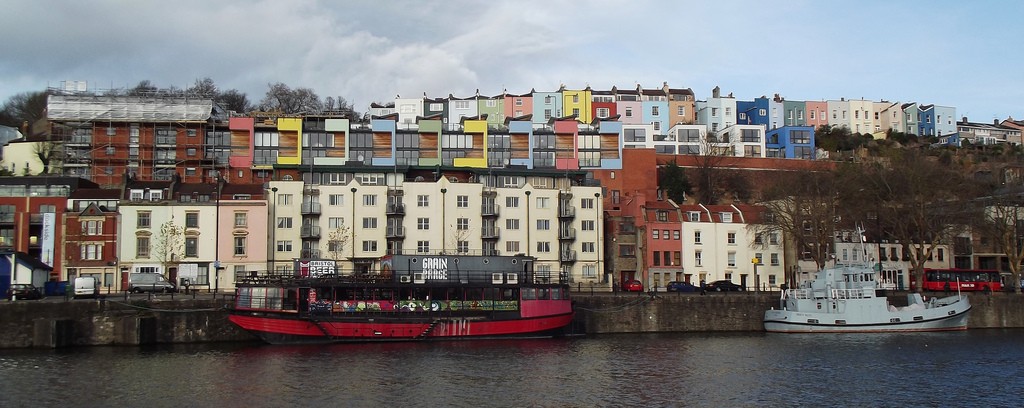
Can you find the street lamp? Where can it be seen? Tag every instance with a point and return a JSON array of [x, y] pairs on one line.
[[273, 232], [528, 223], [352, 233], [444, 245], [597, 233]]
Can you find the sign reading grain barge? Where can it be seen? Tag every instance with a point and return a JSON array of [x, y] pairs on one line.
[[316, 267], [435, 268]]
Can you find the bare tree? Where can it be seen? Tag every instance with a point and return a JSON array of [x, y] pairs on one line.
[[714, 177], [281, 98], [26, 107], [912, 199], [337, 241], [168, 246], [234, 100], [203, 88], [803, 208], [1003, 221], [47, 151]]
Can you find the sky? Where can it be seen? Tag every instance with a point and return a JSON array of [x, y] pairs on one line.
[[944, 52]]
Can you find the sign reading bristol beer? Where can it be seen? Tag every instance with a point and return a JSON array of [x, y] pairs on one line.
[[435, 268], [316, 267]]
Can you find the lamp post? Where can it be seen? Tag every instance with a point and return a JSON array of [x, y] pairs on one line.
[[444, 244], [527, 223], [352, 233], [273, 232], [597, 232]]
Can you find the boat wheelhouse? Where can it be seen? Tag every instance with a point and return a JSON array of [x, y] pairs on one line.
[[412, 297]]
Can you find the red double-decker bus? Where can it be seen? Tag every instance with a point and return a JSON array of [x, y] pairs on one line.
[[961, 279]]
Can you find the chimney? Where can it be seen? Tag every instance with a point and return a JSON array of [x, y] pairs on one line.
[[964, 120], [717, 92], [995, 122]]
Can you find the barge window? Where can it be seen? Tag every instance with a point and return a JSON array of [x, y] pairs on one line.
[[510, 294], [492, 294], [529, 293], [556, 294], [542, 293]]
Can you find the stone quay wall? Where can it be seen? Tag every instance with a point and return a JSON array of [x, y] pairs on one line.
[[130, 322]]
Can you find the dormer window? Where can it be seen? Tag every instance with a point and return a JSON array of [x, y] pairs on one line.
[[136, 195], [726, 217], [156, 195]]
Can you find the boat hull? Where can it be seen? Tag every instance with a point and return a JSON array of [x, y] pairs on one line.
[[948, 318], [281, 328]]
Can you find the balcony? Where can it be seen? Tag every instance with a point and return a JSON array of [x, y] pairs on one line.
[[567, 256], [395, 232], [489, 210], [395, 209], [310, 232], [566, 211], [310, 208], [490, 233], [567, 233], [310, 253]]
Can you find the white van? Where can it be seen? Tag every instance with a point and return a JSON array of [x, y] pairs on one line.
[[86, 287], [139, 282]]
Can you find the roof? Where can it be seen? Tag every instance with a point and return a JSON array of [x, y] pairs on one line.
[[95, 193], [127, 108]]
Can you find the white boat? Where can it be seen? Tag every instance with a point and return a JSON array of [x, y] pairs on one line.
[[844, 299]]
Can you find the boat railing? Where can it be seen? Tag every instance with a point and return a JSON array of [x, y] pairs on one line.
[[859, 293]]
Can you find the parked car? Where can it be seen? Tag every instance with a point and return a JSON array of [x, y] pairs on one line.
[[149, 282], [633, 286], [723, 286], [24, 291], [681, 287]]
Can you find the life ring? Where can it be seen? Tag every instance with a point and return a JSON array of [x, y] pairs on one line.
[[435, 306]]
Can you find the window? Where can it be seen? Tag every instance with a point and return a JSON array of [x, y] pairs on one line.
[[142, 247], [91, 252], [696, 258], [694, 216], [142, 219], [512, 247], [543, 202], [462, 224], [241, 218], [191, 247], [423, 200], [587, 225], [774, 259], [284, 199], [336, 199], [627, 250], [92, 227], [675, 235], [732, 260], [655, 234], [512, 224], [654, 111], [191, 220], [696, 237], [462, 247], [370, 222], [662, 215], [588, 247], [731, 238], [239, 246], [543, 246], [284, 222], [370, 200], [422, 246], [773, 238], [543, 225], [726, 217], [462, 201], [369, 246], [284, 246], [332, 222], [423, 223], [512, 202]]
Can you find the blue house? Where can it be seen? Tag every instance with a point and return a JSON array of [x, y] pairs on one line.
[[790, 142], [753, 112], [926, 120]]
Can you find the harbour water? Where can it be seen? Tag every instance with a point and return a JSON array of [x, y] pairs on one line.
[[971, 368]]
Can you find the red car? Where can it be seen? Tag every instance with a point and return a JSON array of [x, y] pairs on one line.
[[632, 286]]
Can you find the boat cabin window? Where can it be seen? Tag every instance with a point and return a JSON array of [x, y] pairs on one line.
[[529, 293], [543, 293]]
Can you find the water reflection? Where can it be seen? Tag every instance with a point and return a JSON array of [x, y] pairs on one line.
[[749, 369]]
